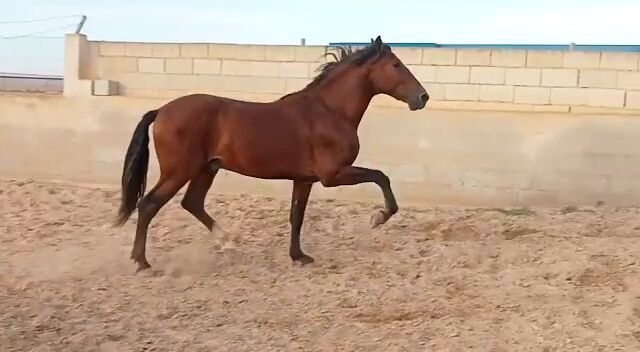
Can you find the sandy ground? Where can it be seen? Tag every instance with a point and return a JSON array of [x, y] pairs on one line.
[[432, 279]]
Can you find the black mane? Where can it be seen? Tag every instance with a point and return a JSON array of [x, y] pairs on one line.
[[344, 55]]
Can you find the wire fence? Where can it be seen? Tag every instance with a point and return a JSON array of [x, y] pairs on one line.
[[35, 47]]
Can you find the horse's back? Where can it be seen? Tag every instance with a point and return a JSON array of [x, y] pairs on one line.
[[265, 140]]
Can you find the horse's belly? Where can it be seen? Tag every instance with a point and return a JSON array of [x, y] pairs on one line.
[[274, 158]]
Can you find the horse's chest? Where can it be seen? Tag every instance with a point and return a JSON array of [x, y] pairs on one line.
[[351, 148]]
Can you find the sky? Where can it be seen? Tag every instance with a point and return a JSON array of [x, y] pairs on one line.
[[286, 21]]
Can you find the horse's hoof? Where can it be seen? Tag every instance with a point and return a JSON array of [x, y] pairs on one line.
[[378, 218], [303, 259], [142, 266]]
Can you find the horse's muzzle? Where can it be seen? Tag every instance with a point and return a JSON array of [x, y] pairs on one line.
[[419, 101]]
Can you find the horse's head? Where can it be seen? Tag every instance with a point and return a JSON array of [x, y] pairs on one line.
[[388, 75]]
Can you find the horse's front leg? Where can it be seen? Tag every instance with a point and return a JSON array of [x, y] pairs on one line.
[[352, 175], [299, 198]]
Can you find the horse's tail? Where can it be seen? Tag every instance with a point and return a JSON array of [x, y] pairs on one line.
[[136, 164]]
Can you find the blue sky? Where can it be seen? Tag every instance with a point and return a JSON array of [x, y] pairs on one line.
[[286, 21]]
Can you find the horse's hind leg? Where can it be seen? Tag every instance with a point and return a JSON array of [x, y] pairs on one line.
[[148, 207], [193, 200]]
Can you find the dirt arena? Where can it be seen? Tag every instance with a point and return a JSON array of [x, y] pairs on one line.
[[431, 279]]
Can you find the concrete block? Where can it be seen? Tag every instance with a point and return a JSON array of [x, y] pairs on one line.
[[496, 93], [150, 65], [598, 78], [532, 95], [487, 75], [237, 52], [280, 53], [559, 77], [207, 66], [508, 58], [433, 56], [127, 81], [111, 49], [436, 91], [633, 100], [619, 60], [464, 92], [544, 58], [423, 73], [178, 66], [89, 61], [613, 98], [295, 84], [473, 57], [250, 68], [165, 50], [105, 87], [108, 65], [523, 76], [294, 69], [243, 84], [581, 59], [310, 53], [138, 49], [629, 80], [452, 74], [194, 50], [409, 56], [569, 96], [242, 68], [184, 82]]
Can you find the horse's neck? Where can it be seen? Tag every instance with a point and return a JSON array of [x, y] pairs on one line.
[[347, 94]]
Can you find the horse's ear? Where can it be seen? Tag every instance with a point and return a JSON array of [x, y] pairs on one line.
[[378, 44]]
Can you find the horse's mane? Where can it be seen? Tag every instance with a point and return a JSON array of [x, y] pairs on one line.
[[343, 55]]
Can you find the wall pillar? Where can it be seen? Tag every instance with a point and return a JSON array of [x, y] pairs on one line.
[[76, 58]]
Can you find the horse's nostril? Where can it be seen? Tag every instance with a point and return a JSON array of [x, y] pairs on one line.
[[424, 97]]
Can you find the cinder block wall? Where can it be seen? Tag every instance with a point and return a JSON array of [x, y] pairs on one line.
[[253, 72], [476, 79], [431, 156]]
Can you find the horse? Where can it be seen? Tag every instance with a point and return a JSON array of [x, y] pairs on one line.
[[307, 136]]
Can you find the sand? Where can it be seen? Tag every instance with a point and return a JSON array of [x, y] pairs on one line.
[[431, 279]]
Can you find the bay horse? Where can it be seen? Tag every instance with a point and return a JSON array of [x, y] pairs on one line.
[[307, 136]]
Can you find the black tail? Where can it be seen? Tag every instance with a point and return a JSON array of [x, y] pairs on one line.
[[136, 164]]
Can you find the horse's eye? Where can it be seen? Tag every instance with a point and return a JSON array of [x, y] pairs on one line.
[[396, 64]]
